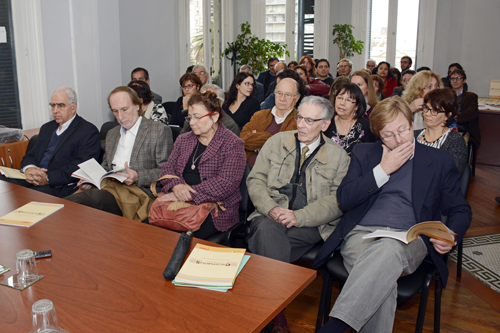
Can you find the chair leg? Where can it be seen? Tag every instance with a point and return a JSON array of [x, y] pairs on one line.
[[474, 154], [437, 305], [423, 304], [325, 300], [459, 260]]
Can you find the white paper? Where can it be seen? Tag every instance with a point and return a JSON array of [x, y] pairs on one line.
[[3, 35]]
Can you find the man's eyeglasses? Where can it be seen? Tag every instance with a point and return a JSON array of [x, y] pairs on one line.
[[309, 121], [343, 66], [404, 62], [193, 117], [342, 99], [391, 136], [200, 73], [434, 112], [456, 78], [58, 105], [406, 80], [280, 94], [188, 86]]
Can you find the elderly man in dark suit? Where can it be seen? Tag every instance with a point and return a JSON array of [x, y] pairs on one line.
[[62, 144], [392, 184], [139, 147]]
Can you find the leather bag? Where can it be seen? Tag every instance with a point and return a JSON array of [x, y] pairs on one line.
[[179, 215]]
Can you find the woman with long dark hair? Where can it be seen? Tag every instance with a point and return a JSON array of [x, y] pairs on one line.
[[240, 103]]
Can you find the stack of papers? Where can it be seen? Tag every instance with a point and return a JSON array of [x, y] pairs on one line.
[[30, 214], [211, 267]]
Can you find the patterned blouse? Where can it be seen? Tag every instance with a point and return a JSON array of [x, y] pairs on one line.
[[360, 132]]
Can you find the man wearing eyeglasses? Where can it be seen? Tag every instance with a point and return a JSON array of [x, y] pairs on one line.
[[202, 73], [293, 186], [392, 184], [468, 111], [405, 63], [62, 144], [141, 74], [345, 67]]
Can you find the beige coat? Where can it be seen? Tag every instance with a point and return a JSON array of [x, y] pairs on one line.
[[274, 169]]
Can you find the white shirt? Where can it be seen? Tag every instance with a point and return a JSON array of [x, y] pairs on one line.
[[125, 146], [277, 119], [312, 146]]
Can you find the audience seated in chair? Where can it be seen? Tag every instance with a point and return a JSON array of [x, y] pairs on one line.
[[423, 183], [190, 83], [210, 162], [62, 144], [150, 109], [141, 74], [240, 102], [266, 123], [139, 147]]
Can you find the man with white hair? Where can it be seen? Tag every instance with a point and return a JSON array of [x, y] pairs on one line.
[[62, 144], [202, 73], [228, 121], [345, 67], [371, 64]]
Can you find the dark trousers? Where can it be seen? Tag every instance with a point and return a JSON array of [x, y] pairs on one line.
[[98, 199], [59, 191]]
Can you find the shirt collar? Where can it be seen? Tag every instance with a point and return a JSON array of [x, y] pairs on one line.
[[277, 119], [461, 92], [312, 146], [134, 128], [64, 126]]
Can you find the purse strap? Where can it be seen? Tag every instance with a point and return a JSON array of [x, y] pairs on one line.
[[152, 187]]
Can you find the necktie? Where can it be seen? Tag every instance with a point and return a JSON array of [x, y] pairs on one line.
[[303, 156]]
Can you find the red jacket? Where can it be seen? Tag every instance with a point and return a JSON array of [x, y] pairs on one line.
[[317, 87]]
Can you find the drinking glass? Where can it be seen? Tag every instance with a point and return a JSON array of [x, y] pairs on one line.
[[44, 317], [26, 267]]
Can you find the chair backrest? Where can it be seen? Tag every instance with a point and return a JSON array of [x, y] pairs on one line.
[[106, 127], [245, 204], [32, 142], [168, 106], [176, 130], [465, 181]]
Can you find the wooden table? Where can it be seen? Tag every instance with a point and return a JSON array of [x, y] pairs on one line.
[[105, 275]]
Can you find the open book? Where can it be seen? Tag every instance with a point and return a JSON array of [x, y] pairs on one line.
[[433, 229], [11, 173], [93, 173]]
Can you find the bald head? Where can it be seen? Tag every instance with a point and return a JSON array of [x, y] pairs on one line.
[[286, 95], [279, 66]]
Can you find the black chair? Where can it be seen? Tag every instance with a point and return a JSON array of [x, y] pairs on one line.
[[407, 287], [176, 130], [235, 236], [105, 129], [32, 142], [464, 186], [471, 156], [168, 106]]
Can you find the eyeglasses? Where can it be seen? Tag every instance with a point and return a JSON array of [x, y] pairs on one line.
[[200, 73], [456, 78], [406, 80], [280, 94], [58, 105], [434, 112], [343, 66], [309, 121], [193, 117], [391, 136], [249, 84], [188, 86], [342, 99], [404, 62]]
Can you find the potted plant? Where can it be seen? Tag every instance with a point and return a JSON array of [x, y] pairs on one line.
[[346, 42], [250, 50]]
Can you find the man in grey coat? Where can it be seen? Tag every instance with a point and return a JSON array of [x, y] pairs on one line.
[[293, 186], [139, 148]]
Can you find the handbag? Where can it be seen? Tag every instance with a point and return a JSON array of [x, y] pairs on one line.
[[179, 215]]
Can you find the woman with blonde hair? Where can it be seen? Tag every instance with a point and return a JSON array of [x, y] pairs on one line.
[[420, 85], [365, 83]]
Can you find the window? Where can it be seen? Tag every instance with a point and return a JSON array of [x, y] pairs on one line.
[[406, 40], [379, 22]]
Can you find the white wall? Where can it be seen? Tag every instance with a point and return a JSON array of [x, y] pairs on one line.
[[149, 39], [467, 33]]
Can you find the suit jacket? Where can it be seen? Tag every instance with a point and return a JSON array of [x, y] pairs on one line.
[[470, 114], [221, 169], [435, 192], [152, 147], [79, 142]]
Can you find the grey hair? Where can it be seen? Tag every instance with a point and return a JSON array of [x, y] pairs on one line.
[[349, 61], [372, 60], [243, 67], [200, 66], [216, 89], [321, 102], [70, 94]]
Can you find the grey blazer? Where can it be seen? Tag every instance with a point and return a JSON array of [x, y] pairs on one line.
[[152, 147]]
